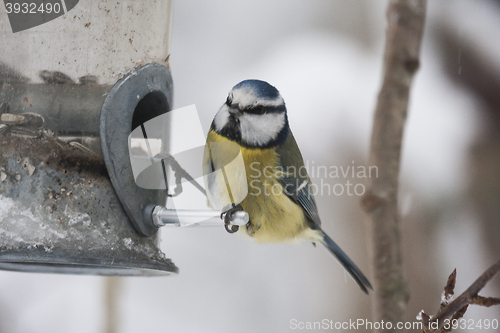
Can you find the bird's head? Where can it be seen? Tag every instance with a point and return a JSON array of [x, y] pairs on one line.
[[254, 115]]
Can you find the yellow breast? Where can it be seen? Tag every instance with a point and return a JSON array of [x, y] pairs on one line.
[[273, 215]]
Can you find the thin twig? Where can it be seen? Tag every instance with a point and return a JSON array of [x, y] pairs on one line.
[[470, 296], [401, 61]]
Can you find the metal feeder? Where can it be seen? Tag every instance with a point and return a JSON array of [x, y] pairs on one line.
[[68, 199]]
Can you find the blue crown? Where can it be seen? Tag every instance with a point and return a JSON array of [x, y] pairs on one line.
[[262, 89]]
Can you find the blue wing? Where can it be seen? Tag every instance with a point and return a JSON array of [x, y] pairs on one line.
[[297, 186]]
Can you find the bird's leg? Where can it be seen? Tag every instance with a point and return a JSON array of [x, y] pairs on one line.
[[226, 216], [251, 228]]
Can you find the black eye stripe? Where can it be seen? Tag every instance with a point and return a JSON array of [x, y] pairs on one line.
[[261, 109], [257, 109]]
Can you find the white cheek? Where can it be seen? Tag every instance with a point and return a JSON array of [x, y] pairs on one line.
[[261, 129], [221, 118]]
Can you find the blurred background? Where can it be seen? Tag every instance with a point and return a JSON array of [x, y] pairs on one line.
[[325, 57]]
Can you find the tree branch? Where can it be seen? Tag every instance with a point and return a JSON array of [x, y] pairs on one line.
[[401, 61], [111, 303], [457, 308]]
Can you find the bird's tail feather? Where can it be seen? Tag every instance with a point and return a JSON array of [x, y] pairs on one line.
[[356, 274]]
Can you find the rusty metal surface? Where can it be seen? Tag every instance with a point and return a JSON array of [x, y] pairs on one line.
[[59, 212]]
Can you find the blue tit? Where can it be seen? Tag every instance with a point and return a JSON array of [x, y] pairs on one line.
[[280, 203]]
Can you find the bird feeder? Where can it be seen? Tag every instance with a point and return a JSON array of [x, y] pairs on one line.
[[75, 82]]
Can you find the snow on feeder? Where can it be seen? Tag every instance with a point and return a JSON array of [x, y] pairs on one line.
[[73, 87]]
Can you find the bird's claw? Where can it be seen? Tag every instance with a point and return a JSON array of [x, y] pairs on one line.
[[226, 216]]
